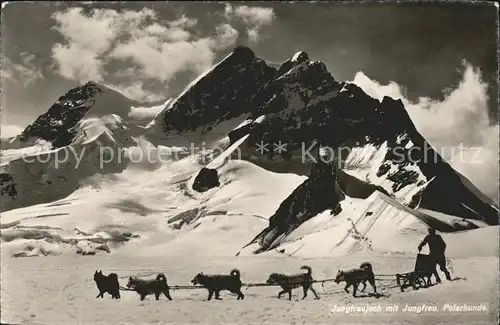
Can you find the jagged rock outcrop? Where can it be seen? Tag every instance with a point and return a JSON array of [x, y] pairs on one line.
[[316, 194], [206, 179], [8, 185], [60, 124], [412, 155]]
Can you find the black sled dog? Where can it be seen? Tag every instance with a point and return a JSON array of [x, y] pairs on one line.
[[354, 277], [290, 282], [218, 282], [149, 287], [107, 284]]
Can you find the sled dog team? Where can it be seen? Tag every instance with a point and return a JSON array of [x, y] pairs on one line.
[[231, 282]]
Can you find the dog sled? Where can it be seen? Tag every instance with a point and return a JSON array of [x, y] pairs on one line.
[[420, 277]]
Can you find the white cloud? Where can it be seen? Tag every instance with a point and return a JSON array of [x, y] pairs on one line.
[[253, 35], [93, 32], [6, 72], [24, 73], [183, 22], [78, 63], [89, 37], [226, 36], [173, 34], [158, 49], [163, 52], [27, 58], [253, 17]]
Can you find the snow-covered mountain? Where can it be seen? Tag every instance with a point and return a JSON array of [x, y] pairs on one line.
[[301, 104], [380, 162], [57, 124], [71, 142]]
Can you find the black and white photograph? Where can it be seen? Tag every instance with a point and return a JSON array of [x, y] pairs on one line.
[[251, 162]]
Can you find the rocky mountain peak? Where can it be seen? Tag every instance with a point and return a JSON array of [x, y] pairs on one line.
[[243, 54], [300, 57], [296, 59], [221, 93]]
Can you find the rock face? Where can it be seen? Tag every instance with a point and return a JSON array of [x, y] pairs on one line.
[[222, 93], [206, 179], [316, 194], [56, 124], [8, 185]]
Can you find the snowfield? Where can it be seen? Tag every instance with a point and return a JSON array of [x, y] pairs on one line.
[[180, 232], [60, 290]]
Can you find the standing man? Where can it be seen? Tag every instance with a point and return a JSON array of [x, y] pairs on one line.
[[437, 246]]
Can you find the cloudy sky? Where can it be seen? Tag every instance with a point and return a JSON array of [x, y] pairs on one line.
[[150, 51]]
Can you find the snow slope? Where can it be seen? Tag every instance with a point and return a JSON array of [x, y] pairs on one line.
[[164, 214], [99, 146], [378, 224], [114, 202]]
